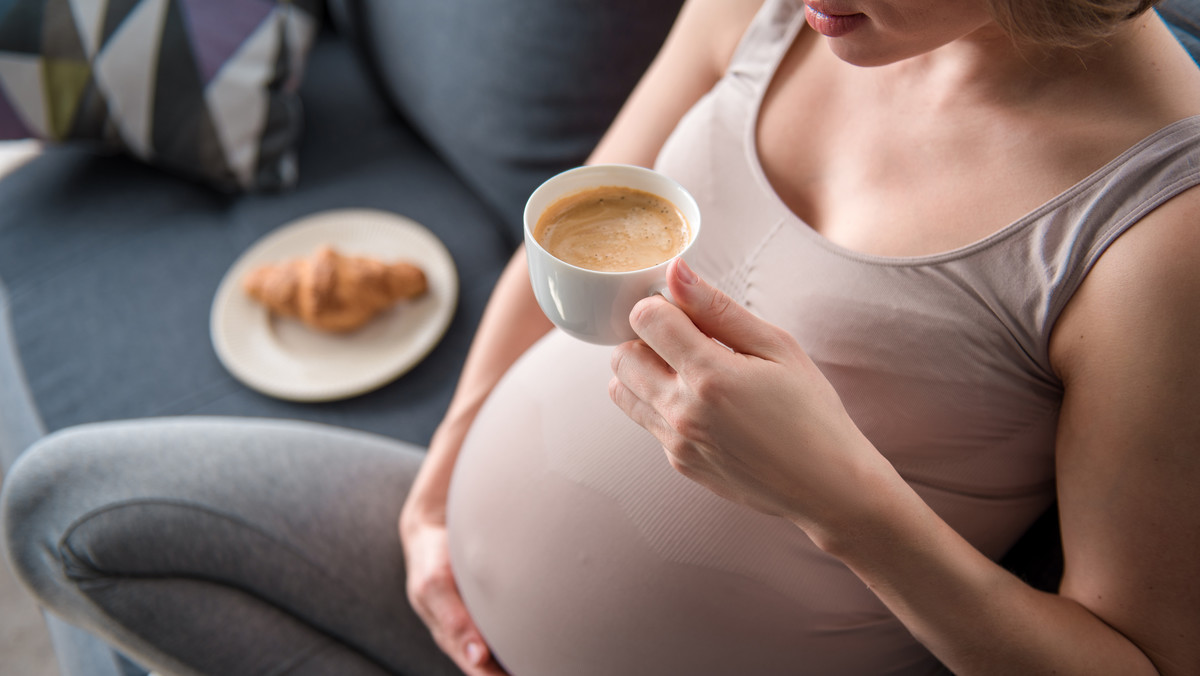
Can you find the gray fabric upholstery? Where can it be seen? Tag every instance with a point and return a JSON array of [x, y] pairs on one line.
[[111, 266], [538, 86], [19, 421]]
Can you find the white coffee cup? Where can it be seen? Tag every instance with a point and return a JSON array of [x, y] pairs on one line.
[[594, 305]]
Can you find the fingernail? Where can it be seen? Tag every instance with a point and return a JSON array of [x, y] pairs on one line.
[[474, 652], [686, 274]]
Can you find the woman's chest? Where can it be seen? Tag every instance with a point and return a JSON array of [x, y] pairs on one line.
[[876, 169]]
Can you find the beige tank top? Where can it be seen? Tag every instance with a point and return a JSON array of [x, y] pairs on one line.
[[580, 552]]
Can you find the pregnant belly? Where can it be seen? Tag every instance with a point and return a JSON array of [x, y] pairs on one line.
[[580, 552]]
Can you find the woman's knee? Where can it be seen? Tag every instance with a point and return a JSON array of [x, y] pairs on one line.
[[75, 504], [38, 503]]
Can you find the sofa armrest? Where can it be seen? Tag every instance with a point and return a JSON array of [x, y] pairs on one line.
[[20, 424]]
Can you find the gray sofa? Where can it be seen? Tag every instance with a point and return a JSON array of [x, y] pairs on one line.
[[446, 111]]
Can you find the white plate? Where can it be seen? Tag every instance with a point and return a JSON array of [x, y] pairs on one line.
[[283, 358]]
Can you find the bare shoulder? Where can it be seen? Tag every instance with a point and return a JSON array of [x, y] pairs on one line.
[[1128, 453], [1133, 326], [693, 58], [716, 26], [1146, 280]]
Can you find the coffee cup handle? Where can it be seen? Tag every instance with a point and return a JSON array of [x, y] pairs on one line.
[[660, 289]]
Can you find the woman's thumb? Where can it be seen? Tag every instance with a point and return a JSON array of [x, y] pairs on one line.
[[476, 653]]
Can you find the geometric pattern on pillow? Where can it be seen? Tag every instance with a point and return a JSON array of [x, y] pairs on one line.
[[206, 88]]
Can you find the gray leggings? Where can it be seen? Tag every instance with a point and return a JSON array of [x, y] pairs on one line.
[[224, 546]]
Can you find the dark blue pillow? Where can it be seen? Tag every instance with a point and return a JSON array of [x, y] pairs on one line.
[[508, 92]]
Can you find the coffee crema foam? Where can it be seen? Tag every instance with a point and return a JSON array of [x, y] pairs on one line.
[[612, 229]]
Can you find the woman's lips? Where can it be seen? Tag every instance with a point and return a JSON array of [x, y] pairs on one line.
[[832, 25]]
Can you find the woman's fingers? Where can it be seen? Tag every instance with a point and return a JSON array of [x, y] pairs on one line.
[[459, 638], [456, 634], [434, 595], [452, 626], [641, 370], [721, 317], [670, 333], [704, 325], [638, 410]]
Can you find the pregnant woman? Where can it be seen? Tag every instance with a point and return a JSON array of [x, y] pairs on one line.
[[947, 279]]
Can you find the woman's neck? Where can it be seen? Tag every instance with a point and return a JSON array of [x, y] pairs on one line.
[[986, 68]]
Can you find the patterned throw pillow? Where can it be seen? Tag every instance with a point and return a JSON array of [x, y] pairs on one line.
[[206, 88]]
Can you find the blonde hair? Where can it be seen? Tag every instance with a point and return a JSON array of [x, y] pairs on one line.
[[1065, 23]]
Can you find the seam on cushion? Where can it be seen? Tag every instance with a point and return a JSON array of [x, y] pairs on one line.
[[65, 550], [300, 658], [226, 387], [83, 256]]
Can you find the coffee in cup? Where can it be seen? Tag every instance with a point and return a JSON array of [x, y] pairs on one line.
[[612, 228], [598, 239]]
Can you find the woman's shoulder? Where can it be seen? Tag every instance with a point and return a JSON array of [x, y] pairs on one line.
[[1137, 303], [716, 27], [1112, 99], [1162, 81]]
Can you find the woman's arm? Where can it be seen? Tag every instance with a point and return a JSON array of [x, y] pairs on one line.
[[511, 323], [694, 56], [689, 63], [1128, 350]]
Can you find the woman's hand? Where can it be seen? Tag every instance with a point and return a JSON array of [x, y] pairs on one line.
[[434, 595], [750, 417]]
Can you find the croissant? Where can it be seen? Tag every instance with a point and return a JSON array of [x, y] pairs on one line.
[[332, 292]]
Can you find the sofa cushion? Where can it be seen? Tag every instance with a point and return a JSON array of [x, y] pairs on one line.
[[510, 92], [206, 88], [110, 290]]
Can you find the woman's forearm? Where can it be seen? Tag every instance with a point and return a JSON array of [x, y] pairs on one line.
[[511, 323], [976, 617]]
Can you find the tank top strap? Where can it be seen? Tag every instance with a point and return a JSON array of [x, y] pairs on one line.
[[766, 41], [1070, 234]]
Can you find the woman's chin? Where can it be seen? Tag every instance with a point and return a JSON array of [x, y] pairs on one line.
[[865, 53]]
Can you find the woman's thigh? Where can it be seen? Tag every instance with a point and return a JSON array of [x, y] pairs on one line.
[[224, 545]]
